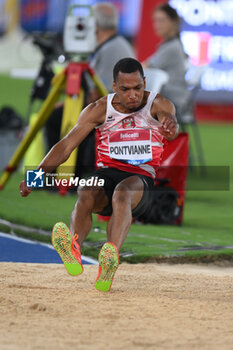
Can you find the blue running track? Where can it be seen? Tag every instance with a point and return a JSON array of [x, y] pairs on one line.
[[15, 249]]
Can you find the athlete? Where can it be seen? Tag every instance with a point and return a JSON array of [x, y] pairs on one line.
[[131, 125]]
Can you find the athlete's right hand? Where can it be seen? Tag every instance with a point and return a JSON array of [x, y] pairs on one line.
[[24, 190]]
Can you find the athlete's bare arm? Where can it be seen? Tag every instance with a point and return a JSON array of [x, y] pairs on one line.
[[164, 110], [92, 116]]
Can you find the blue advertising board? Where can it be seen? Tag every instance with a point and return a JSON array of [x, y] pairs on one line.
[[49, 15], [207, 37], [34, 15], [43, 15]]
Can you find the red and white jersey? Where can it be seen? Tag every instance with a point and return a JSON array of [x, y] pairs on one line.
[[130, 142]]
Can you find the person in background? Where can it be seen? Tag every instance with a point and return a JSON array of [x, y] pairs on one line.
[[111, 47], [170, 56]]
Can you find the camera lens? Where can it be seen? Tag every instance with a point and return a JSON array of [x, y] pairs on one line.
[[80, 26]]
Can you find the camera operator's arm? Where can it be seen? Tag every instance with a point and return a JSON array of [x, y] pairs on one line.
[[92, 116]]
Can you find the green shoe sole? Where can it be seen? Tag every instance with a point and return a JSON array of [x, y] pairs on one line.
[[108, 264], [62, 242]]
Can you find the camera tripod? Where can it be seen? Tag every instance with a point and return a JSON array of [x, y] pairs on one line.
[[69, 80]]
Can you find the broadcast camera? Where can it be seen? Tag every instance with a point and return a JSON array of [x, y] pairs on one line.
[[80, 30]]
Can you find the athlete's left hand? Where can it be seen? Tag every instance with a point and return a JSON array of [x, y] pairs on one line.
[[169, 127], [24, 190]]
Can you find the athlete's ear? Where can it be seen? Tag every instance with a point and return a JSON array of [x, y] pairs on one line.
[[144, 80], [114, 86]]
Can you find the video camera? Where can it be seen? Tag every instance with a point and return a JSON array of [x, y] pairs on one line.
[[80, 30]]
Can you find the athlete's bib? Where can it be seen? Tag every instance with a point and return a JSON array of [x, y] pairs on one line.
[[130, 146], [130, 142]]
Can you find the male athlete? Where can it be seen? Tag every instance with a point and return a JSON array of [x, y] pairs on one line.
[[131, 126]]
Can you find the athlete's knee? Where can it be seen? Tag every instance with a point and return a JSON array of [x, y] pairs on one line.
[[121, 195], [86, 194], [92, 198]]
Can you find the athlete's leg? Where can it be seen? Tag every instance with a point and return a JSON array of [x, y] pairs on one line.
[[90, 200], [127, 195]]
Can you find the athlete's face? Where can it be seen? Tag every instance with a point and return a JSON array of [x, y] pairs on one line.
[[129, 88]]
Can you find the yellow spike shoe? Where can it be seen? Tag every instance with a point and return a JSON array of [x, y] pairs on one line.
[[66, 246], [108, 264]]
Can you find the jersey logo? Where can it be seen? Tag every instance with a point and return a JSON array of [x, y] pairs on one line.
[[128, 123]]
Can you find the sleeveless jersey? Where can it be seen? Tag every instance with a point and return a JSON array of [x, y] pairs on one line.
[[130, 142]]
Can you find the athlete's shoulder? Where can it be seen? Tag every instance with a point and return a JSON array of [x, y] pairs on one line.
[[95, 112], [99, 105], [97, 109], [163, 104]]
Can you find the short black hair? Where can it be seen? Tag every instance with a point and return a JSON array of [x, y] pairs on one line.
[[127, 65]]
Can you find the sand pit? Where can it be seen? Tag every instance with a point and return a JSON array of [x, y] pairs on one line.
[[149, 307]]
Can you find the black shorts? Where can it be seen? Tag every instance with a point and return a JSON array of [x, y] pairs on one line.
[[112, 177]]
